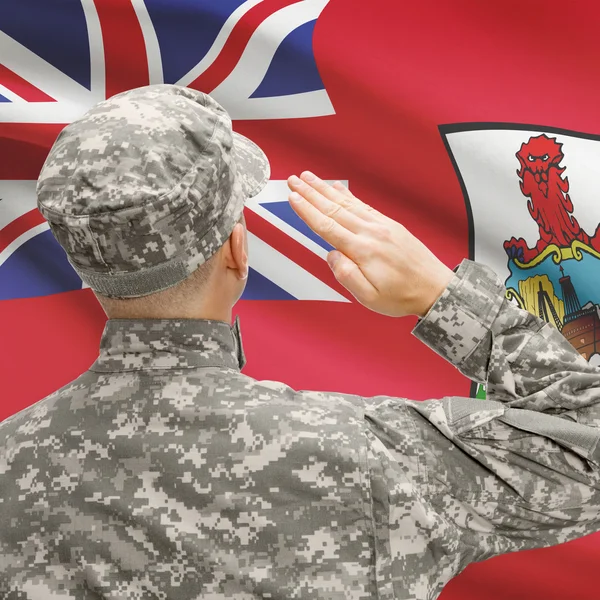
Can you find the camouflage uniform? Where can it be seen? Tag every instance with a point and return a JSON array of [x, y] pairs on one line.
[[165, 473]]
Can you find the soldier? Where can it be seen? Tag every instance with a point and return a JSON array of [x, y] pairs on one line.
[[164, 472]]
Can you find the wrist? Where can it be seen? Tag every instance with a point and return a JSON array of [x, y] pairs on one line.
[[435, 290]]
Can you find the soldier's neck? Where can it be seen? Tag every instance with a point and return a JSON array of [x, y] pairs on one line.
[[198, 309]]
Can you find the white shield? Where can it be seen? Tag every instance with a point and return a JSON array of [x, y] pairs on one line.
[[534, 203]]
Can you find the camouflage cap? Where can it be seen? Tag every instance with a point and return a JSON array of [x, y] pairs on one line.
[[147, 186]]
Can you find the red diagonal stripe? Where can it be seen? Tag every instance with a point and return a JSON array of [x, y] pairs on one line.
[[124, 46], [236, 44], [21, 87], [24, 147], [19, 226], [295, 251]]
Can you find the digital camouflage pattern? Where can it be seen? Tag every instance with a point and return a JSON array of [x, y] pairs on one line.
[[146, 186], [163, 472]]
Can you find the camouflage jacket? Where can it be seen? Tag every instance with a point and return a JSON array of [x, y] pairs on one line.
[[165, 473]]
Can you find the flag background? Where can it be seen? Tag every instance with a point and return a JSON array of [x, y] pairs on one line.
[[394, 73]]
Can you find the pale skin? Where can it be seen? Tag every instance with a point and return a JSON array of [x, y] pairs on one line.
[[384, 266], [377, 260]]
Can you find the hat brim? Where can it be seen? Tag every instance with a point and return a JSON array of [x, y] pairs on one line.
[[252, 165]]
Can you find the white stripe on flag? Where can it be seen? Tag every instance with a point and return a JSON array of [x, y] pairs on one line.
[[294, 106], [16, 199], [10, 95], [41, 74], [155, 70], [18, 242], [97, 62], [293, 233], [286, 274], [219, 42], [234, 93], [278, 191], [258, 54]]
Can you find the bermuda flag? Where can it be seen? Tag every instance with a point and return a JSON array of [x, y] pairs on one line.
[[474, 124]]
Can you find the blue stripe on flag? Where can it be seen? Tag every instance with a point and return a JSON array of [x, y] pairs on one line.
[[54, 30], [3, 99], [293, 69], [284, 211], [261, 288], [186, 29], [38, 268]]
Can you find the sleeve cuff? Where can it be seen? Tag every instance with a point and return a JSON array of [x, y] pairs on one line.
[[461, 318]]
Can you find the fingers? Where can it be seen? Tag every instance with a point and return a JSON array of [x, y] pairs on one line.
[[326, 227], [336, 215], [340, 187], [339, 194], [351, 277], [332, 209]]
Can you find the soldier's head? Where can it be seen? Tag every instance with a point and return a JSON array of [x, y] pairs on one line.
[[145, 193]]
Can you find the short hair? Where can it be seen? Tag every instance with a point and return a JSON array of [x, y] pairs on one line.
[[150, 306]]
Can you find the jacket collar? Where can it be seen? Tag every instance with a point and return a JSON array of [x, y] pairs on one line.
[[141, 344]]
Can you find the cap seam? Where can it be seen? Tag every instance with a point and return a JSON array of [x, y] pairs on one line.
[[265, 179], [95, 240]]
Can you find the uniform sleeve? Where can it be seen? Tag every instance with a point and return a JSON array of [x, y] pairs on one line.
[[515, 471]]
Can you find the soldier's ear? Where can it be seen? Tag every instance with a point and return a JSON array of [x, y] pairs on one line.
[[237, 255]]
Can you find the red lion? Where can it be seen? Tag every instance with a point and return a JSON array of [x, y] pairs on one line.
[[549, 203]]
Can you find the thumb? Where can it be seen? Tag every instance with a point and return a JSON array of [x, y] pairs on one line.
[[351, 277]]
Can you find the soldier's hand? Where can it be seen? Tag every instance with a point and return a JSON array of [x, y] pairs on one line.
[[377, 260]]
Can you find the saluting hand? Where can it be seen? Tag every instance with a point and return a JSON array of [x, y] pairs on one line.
[[384, 266]]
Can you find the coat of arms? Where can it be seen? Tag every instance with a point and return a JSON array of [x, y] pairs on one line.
[[534, 203]]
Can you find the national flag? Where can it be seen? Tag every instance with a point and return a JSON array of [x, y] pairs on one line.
[[407, 102]]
